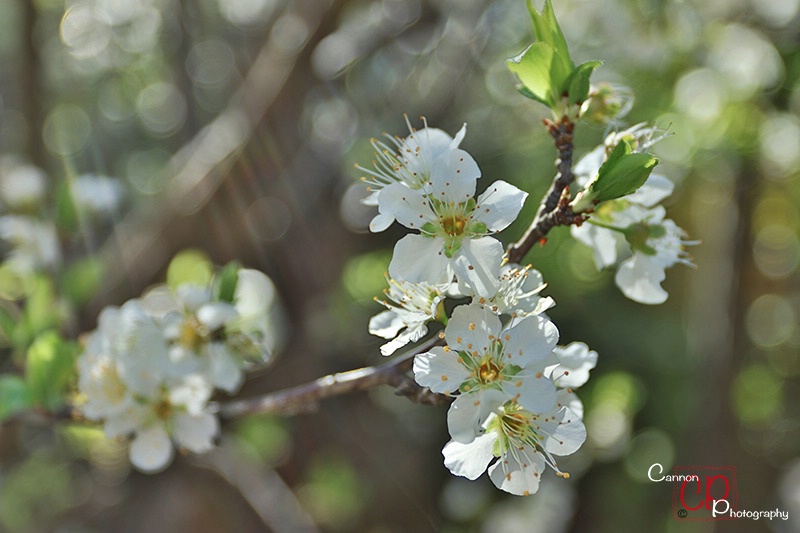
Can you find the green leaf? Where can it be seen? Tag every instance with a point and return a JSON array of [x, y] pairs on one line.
[[622, 173], [66, 215], [14, 396], [8, 322], [547, 30], [81, 280], [532, 67], [42, 312], [227, 279], [577, 83], [49, 369]]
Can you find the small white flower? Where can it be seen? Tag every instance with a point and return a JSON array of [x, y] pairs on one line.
[[523, 443], [657, 244], [633, 225], [575, 360], [34, 243], [21, 184], [410, 307], [97, 194], [488, 365], [254, 332], [412, 161], [517, 294], [454, 230], [151, 449]]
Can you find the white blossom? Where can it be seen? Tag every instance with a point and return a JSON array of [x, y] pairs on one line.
[[33, 243], [633, 227], [517, 294], [411, 162], [454, 228], [488, 365], [150, 368], [574, 361], [522, 442], [409, 308]]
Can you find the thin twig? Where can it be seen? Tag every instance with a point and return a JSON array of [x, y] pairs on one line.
[[304, 398], [554, 209]]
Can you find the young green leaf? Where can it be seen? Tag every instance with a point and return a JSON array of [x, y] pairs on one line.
[[14, 396], [532, 67], [227, 278], [50, 367], [547, 30], [577, 83], [622, 173]]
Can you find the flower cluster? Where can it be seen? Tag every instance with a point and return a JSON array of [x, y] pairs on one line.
[[513, 398], [152, 365], [633, 225]]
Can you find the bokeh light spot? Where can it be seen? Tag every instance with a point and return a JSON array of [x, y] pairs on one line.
[[770, 320]]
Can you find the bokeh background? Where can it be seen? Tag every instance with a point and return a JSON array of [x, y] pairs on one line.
[[230, 128]]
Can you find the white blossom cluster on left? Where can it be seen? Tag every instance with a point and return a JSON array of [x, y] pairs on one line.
[[152, 365]]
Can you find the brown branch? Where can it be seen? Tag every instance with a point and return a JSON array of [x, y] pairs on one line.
[[304, 398], [554, 209]]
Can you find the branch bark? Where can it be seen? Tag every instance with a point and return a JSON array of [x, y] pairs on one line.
[[304, 398], [554, 209]]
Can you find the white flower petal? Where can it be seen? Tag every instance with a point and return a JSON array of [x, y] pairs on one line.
[[499, 205], [410, 207], [567, 398], [469, 412], [253, 298], [469, 328], [574, 363], [380, 222], [419, 259], [602, 241], [214, 315], [439, 370], [454, 176], [531, 340], [151, 450], [469, 460], [655, 189], [639, 278], [196, 433], [412, 334], [518, 471], [563, 433], [193, 296], [536, 394], [477, 263], [589, 165], [224, 368], [192, 393], [386, 324]]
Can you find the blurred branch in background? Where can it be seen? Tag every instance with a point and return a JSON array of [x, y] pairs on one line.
[[134, 254]]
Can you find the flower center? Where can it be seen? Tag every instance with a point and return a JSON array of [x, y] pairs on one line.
[[454, 225], [193, 334], [489, 371], [163, 410], [515, 425]]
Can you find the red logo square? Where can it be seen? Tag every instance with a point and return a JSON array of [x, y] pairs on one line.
[[704, 493]]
